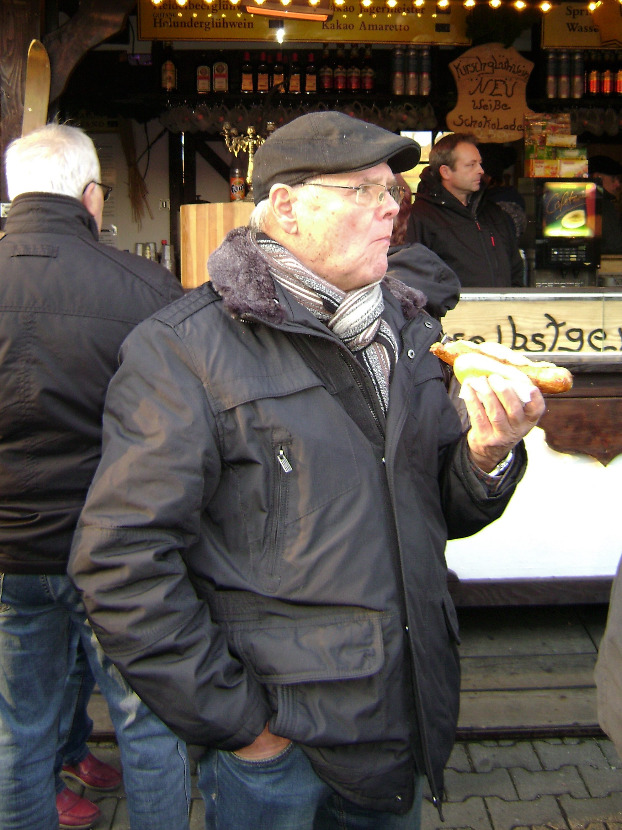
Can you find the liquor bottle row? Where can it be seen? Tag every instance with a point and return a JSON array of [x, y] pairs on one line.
[[334, 69], [411, 72], [581, 74]]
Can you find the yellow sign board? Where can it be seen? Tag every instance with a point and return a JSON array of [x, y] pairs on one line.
[[572, 26], [350, 23], [539, 322]]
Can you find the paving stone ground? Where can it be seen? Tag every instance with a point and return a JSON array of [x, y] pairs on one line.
[[547, 784]]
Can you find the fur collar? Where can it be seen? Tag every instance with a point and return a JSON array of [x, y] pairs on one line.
[[241, 275]]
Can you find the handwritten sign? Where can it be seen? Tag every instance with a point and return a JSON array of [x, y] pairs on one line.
[[491, 82], [541, 322]]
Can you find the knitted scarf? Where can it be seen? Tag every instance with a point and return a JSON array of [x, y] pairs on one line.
[[354, 316]]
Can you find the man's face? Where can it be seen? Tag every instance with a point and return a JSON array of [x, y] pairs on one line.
[[344, 242], [610, 183], [466, 176]]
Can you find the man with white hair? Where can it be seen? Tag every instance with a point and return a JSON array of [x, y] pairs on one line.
[[66, 304], [262, 550]]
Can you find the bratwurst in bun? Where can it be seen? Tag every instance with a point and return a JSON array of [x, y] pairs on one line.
[[483, 359]]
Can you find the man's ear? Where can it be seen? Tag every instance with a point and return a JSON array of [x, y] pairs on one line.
[[443, 171], [283, 201], [93, 202], [89, 198]]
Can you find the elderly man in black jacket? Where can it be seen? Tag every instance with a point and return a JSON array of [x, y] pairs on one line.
[[262, 551], [66, 304]]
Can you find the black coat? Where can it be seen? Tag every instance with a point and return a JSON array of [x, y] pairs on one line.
[[66, 304], [260, 545], [477, 240]]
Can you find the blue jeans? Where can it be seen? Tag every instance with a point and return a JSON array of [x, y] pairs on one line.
[[75, 724], [284, 793], [41, 619]]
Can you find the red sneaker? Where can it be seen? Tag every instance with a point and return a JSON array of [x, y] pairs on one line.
[[75, 813], [94, 773]]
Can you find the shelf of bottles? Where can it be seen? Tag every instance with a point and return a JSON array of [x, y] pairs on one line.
[[390, 86], [588, 75], [341, 69], [588, 85]]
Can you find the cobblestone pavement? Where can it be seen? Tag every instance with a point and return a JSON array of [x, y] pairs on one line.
[[547, 784]]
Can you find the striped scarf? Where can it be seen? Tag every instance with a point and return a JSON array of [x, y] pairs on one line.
[[354, 316]]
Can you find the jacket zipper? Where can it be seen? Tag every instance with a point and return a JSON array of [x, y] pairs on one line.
[[422, 728], [365, 392], [280, 489]]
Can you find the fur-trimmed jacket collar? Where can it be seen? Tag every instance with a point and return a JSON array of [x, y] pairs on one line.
[[243, 277]]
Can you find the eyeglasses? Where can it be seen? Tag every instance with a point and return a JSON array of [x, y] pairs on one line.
[[368, 194], [106, 189]]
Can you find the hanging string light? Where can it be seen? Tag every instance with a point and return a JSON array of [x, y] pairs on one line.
[[543, 6]]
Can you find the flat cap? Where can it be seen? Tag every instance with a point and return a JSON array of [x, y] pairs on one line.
[[604, 164], [327, 142]]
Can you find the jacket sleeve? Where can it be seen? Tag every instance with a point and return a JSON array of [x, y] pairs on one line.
[[160, 464], [468, 503]]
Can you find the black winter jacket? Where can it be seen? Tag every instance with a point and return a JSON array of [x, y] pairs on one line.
[[66, 304], [477, 241], [261, 545]]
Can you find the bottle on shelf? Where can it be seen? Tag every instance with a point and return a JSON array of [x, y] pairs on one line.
[[247, 83], [353, 71], [607, 74], [412, 71], [593, 75], [577, 75], [618, 83], [278, 73], [237, 183], [310, 84], [551, 74], [425, 72], [563, 75], [220, 76], [397, 72], [169, 69], [167, 258], [295, 75], [325, 74], [263, 83], [368, 73], [204, 76], [339, 71]]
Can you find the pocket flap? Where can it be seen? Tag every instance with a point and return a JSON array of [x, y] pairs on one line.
[[303, 652]]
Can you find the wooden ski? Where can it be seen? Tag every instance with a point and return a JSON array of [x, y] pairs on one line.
[[37, 94]]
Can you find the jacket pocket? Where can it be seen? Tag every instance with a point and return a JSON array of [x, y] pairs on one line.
[[325, 675]]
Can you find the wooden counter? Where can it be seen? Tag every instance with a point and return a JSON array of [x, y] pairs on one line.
[[580, 329], [203, 228]]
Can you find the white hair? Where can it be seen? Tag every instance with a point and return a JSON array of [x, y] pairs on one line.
[[55, 158], [259, 215]]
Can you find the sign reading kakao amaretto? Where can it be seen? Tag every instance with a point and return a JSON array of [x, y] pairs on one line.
[[221, 21], [491, 82]]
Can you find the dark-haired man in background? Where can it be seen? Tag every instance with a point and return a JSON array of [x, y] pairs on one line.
[[452, 216]]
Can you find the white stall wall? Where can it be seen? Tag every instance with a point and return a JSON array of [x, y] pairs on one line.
[[120, 228], [563, 521]]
